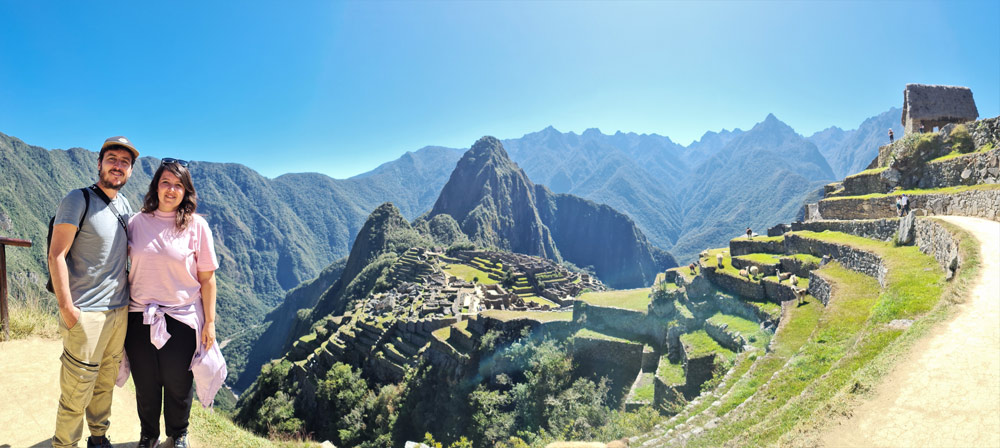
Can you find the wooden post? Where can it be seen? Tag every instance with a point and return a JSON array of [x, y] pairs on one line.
[[4, 313]]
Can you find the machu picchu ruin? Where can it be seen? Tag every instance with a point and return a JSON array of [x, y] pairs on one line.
[[738, 348]]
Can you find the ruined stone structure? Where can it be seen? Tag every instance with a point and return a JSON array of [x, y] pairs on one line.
[[935, 106]]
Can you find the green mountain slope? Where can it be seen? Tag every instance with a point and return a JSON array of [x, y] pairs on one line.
[[496, 205]]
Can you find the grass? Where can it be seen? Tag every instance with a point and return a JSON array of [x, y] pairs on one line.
[[761, 258], [683, 310], [539, 300], [32, 315], [591, 334], [646, 389], [770, 308], [955, 154], [632, 299], [216, 430], [832, 337], [749, 329], [765, 239], [468, 273], [805, 258], [699, 344], [735, 323], [918, 191], [442, 334], [671, 373], [870, 171], [539, 316], [876, 367], [847, 337]]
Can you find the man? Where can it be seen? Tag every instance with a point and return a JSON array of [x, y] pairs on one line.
[[88, 266]]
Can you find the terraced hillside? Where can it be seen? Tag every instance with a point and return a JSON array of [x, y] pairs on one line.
[[876, 283]]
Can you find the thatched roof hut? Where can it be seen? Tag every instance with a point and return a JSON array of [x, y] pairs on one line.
[[935, 106]]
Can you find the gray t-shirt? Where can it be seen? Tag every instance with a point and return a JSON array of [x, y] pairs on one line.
[[97, 261]]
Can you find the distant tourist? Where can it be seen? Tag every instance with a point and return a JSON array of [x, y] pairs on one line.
[[899, 205], [890, 136], [171, 328], [88, 258], [921, 128], [905, 203], [749, 234]]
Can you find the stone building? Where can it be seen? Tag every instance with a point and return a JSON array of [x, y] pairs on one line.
[[935, 106]]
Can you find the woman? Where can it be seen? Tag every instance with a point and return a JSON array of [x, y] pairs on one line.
[[171, 332]]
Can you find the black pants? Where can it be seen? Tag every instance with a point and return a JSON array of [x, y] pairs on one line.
[[161, 375]]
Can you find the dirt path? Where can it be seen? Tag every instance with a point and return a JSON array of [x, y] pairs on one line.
[[946, 391], [29, 394]]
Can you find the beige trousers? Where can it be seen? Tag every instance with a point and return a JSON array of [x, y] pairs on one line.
[[92, 351]]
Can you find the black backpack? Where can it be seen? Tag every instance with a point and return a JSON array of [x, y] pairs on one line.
[[48, 240]]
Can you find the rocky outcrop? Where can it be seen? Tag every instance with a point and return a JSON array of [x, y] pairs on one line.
[[496, 205]]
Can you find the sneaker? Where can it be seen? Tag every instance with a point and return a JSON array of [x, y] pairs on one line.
[[181, 441], [98, 442], [147, 442]]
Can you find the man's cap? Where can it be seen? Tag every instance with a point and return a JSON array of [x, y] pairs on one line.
[[123, 142]]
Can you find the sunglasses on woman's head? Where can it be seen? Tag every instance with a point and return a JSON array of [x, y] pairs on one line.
[[180, 162]]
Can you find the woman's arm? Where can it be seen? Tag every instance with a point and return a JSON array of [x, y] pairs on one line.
[[207, 279]]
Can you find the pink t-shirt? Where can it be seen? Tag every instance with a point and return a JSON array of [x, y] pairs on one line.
[[166, 260]]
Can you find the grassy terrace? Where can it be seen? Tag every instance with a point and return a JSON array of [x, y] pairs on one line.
[[468, 273], [442, 334], [766, 239], [538, 300], [957, 154], [805, 258], [700, 344], [539, 316], [801, 283], [761, 258], [645, 390], [790, 384], [671, 373], [632, 299], [918, 192], [591, 334], [870, 171]]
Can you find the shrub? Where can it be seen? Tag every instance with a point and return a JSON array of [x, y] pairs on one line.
[[960, 139]]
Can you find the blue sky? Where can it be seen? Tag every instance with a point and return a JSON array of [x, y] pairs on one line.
[[340, 87]]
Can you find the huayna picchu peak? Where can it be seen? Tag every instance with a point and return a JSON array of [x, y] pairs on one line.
[[498, 206]]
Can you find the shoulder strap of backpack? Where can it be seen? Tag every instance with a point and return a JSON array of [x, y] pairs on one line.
[[104, 197]]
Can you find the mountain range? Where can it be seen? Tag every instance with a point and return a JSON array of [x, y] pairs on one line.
[[274, 235]]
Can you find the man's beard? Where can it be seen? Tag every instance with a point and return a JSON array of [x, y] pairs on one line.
[[106, 181]]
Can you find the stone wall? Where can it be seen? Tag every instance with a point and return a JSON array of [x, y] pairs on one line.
[[743, 246], [736, 307], [696, 372], [877, 182], [798, 267], [977, 203], [819, 287], [935, 240], [854, 259], [626, 324], [765, 268], [619, 361], [985, 132], [725, 337], [969, 169], [778, 292], [736, 285], [666, 396], [875, 229]]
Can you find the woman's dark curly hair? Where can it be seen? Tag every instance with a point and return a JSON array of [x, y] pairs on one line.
[[187, 206]]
